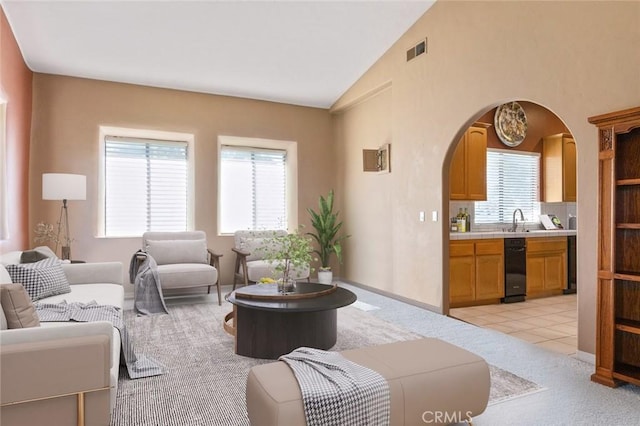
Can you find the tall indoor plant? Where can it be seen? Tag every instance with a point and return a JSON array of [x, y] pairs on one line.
[[326, 224]]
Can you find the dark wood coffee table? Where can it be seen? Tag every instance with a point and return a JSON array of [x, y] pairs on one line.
[[267, 327]]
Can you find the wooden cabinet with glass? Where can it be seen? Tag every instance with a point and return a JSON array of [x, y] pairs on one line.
[[467, 174], [546, 266], [476, 272], [618, 302], [559, 168]]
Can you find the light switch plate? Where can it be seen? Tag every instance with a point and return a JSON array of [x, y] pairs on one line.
[[434, 216], [421, 216]]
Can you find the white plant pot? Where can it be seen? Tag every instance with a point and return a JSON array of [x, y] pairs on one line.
[[325, 277]]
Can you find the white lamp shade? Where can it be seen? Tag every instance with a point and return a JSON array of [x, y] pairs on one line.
[[63, 186]]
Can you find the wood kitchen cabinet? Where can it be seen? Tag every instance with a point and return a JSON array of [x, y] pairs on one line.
[[546, 266], [559, 168], [467, 174], [618, 302], [476, 271]]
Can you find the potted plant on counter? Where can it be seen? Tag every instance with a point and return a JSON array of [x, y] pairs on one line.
[[326, 224]]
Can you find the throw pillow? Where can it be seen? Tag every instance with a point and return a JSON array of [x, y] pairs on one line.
[[166, 252], [17, 307], [41, 279], [31, 256]]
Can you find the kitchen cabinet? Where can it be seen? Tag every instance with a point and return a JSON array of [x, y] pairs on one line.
[[559, 168], [546, 266], [476, 271], [467, 173], [618, 285]]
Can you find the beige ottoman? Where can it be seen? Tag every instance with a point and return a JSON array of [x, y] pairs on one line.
[[430, 382]]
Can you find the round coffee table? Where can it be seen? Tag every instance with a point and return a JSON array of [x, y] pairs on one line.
[[267, 327]]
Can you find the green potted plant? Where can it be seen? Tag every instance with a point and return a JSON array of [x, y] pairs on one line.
[[287, 253], [326, 224]]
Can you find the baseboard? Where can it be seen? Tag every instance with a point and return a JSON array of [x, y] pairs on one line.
[[586, 357], [436, 309]]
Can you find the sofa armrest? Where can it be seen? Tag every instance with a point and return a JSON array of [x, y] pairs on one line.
[[93, 273], [40, 363]]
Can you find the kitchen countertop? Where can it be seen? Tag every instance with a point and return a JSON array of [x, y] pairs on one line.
[[502, 234]]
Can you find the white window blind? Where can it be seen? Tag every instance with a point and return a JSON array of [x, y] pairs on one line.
[[146, 186], [512, 183], [253, 184]]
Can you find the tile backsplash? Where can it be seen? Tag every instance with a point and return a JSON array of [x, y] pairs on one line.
[[562, 210]]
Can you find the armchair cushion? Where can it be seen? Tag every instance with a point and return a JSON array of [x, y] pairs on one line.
[[17, 307], [41, 279], [251, 241], [257, 269], [187, 275], [177, 251]]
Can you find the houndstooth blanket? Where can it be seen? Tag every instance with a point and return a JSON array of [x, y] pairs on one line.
[[137, 365], [148, 298], [336, 391]]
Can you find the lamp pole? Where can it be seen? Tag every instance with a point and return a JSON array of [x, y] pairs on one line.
[[66, 245]]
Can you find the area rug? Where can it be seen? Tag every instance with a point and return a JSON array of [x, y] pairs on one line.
[[204, 380]]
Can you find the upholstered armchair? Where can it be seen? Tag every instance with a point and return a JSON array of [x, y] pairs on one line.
[[183, 260], [250, 264]]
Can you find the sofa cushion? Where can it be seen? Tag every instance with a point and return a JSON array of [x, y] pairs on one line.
[[5, 278], [17, 307], [166, 252], [10, 258], [103, 294], [41, 279]]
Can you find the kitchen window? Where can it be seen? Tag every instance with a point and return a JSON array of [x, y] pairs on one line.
[[257, 184], [146, 183], [512, 183]]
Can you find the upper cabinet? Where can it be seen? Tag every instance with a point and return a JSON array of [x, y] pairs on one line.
[[559, 168], [467, 175]]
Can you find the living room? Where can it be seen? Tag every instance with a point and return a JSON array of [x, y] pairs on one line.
[[479, 55]]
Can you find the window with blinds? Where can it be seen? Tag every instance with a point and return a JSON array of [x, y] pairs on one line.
[[146, 186], [253, 188], [512, 183]]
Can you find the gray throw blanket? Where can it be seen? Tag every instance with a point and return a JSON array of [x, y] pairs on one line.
[[148, 297], [137, 365], [336, 391]]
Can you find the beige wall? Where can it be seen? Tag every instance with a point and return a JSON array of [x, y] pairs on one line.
[[15, 89], [68, 111], [577, 59]]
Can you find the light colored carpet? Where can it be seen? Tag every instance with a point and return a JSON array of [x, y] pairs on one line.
[[204, 382]]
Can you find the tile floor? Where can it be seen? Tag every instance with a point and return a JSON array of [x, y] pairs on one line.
[[549, 322]]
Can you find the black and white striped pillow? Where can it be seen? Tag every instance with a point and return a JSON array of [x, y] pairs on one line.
[[41, 279]]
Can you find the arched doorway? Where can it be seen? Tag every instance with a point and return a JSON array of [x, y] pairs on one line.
[[494, 182]]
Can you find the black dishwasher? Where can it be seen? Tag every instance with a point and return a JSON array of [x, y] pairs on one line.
[[515, 270]]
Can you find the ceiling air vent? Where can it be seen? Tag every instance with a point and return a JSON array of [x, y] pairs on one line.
[[417, 50]]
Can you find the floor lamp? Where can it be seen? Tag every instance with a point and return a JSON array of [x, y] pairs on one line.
[[63, 186]]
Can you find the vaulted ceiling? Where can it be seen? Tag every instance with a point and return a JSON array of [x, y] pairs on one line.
[[298, 52]]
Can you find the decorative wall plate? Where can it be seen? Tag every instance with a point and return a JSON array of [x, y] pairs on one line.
[[511, 124]]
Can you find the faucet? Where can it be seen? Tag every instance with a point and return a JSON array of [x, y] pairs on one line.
[[514, 225]]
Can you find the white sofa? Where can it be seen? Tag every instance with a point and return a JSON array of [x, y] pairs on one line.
[[61, 365]]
